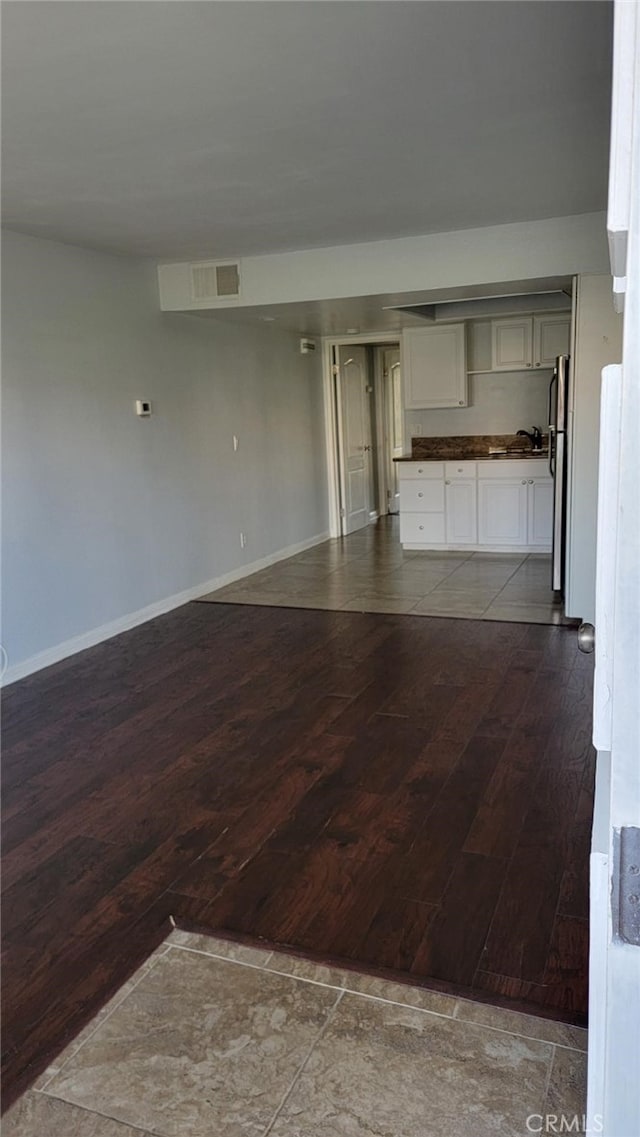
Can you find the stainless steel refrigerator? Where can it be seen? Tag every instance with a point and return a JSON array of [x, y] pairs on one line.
[[558, 465]]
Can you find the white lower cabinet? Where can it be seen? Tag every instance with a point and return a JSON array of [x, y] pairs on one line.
[[483, 505], [502, 511], [539, 511], [461, 511]]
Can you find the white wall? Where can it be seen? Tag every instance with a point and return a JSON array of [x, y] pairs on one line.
[[560, 246], [105, 513], [501, 403], [598, 341]]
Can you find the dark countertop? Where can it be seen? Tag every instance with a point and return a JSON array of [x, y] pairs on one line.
[[537, 454]]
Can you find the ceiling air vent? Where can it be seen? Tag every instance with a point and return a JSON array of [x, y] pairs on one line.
[[215, 281]]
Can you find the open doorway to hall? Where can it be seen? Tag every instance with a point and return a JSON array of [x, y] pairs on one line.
[[369, 436]]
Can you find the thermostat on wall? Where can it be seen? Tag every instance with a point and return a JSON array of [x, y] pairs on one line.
[[143, 408], [307, 346]]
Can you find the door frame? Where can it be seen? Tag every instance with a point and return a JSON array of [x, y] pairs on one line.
[[332, 436]]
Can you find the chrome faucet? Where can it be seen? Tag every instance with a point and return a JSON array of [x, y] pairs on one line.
[[535, 437]]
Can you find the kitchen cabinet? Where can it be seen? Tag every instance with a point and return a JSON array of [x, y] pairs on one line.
[[539, 511], [511, 343], [522, 342], [502, 511], [486, 505], [550, 339], [434, 367], [461, 515]]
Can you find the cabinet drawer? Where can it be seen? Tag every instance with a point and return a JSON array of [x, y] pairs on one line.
[[422, 495], [514, 468], [420, 470], [459, 469], [422, 528]]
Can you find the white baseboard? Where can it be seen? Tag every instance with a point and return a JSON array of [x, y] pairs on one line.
[[133, 619]]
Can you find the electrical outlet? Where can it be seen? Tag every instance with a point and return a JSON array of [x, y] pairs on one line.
[[417, 429], [243, 540]]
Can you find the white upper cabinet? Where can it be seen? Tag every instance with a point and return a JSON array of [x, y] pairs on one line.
[[434, 367], [522, 342], [550, 339], [511, 343]]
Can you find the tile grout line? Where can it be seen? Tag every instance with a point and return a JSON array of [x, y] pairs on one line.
[[346, 990], [548, 1078], [300, 1069], [145, 969], [107, 1116]]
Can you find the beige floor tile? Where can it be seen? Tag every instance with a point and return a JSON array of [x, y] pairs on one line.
[[392, 605], [264, 599], [461, 603], [473, 575], [567, 1093], [381, 1069], [369, 985], [370, 572], [527, 594], [108, 1009], [563, 1034], [390, 588], [200, 1047], [524, 613], [38, 1115], [221, 949]]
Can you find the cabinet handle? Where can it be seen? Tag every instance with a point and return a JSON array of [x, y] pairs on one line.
[[461, 402], [538, 364], [530, 481], [447, 482], [528, 365], [420, 495], [524, 481], [421, 471], [420, 526]]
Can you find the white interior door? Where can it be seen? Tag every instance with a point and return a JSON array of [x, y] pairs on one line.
[[613, 1107], [394, 415], [355, 436]]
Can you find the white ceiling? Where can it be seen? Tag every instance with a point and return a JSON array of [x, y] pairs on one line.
[[364, 314], [178, 130]]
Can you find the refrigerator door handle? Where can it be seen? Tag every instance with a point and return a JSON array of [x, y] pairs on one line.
[[552, 456], [557, 556], [552, 419]]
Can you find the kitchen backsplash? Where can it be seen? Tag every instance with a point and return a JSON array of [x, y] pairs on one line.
[[498, 403]]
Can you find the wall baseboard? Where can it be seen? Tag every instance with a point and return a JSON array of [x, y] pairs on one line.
[[106, 631]]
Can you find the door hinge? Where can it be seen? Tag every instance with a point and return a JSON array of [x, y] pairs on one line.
[[335, 370], [625, 894], [342, 513]]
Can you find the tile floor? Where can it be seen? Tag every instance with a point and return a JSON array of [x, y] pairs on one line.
[[213, 1039], [370, 572]]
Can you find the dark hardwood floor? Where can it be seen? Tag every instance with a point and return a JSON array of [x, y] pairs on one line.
[[410, 795]]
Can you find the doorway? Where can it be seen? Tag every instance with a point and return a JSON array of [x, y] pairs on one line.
[[368, 431]]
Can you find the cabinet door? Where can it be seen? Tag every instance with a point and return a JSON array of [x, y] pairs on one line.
[[550, 338], [460, 511], [434, 367], [502, 511], [540, 511], [511, 343]]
